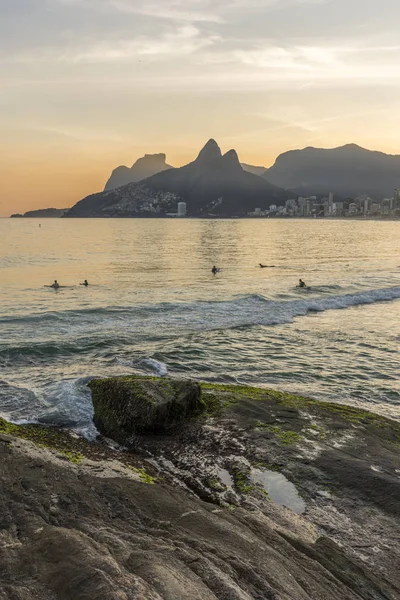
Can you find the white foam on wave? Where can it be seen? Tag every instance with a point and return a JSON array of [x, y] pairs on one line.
[[256, 310], [156, 366], [69, 404], [242, 311], [358, 298]]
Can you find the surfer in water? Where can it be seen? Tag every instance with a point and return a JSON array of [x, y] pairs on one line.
[[55, 285], [214, 270], [301, 284], [266, 266], [85, 283]]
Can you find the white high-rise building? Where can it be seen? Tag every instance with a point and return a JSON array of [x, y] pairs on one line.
[[396, 199], [181, 209]]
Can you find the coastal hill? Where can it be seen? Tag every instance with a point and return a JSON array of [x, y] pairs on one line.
[[42, 213], [346, 171], [213, 184], [144, 167]]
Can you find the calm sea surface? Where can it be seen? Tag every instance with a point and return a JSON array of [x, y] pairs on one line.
[[153, 306]]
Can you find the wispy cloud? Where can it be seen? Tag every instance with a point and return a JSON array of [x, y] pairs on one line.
[[185, 40], [321, 62], [174, 42], [175, 10], [213, 11]]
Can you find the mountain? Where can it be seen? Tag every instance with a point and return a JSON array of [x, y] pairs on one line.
[[151, 164], [346, 171], [213, 184], [144, 167], [43, 213], [255, 170]]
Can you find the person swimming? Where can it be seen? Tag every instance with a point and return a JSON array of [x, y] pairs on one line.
[[85, 283], [214, 270], [55, 285], [301, 284]]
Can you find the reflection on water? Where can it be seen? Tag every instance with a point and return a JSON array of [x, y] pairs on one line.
[[225, 477], [279, 489], [153, 305]]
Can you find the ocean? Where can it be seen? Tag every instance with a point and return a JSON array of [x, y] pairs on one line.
[[154, 307]]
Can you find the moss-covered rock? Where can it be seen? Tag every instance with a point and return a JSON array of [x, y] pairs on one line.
[[125, 406]]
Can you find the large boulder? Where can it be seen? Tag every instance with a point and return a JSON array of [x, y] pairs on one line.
[[126, 406]]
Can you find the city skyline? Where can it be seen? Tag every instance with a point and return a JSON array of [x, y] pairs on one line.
[[88, 85]]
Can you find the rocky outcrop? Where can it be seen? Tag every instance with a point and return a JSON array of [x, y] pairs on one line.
[[144, 167], [213, 184], [302, 503], [346, 171], [124, 407], [75, 532]]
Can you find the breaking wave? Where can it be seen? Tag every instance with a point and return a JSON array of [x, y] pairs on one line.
[[140, 338], [157, 367]]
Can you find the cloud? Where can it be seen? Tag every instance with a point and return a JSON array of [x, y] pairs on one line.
[[179, 42], [183, 41], [321, 62], [212, 11], [175, 10]]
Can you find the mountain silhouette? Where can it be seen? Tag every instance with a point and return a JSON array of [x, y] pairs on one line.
[[253, 169], [144, 167], [151, 164], [346, 171], [213, 184], [43, 213]]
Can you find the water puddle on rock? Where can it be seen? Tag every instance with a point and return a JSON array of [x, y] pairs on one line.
[[279, 489], [225, 477]]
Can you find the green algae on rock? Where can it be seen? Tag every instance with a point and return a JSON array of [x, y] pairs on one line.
[[46, 437], [125, 406]]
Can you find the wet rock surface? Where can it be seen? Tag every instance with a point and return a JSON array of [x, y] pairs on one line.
[[207, 528], [126, 406]]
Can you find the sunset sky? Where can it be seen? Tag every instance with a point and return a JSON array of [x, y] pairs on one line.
[[87, 85]]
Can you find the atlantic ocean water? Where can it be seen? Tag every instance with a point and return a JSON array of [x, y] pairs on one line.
[[153, 306]]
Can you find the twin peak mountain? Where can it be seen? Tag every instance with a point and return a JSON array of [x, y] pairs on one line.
[[213, 184]]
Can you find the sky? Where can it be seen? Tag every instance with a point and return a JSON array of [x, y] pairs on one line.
[[87, 85]]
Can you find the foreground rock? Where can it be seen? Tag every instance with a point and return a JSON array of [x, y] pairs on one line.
[[81, 521], [126, 406]]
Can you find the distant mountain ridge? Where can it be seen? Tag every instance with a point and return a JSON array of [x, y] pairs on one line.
[[347, 171], [213, 184], [144, 167], [151, 164], [43, 213], [260, 171]]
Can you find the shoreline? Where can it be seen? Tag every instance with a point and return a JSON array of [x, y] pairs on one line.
[[216, 218]]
